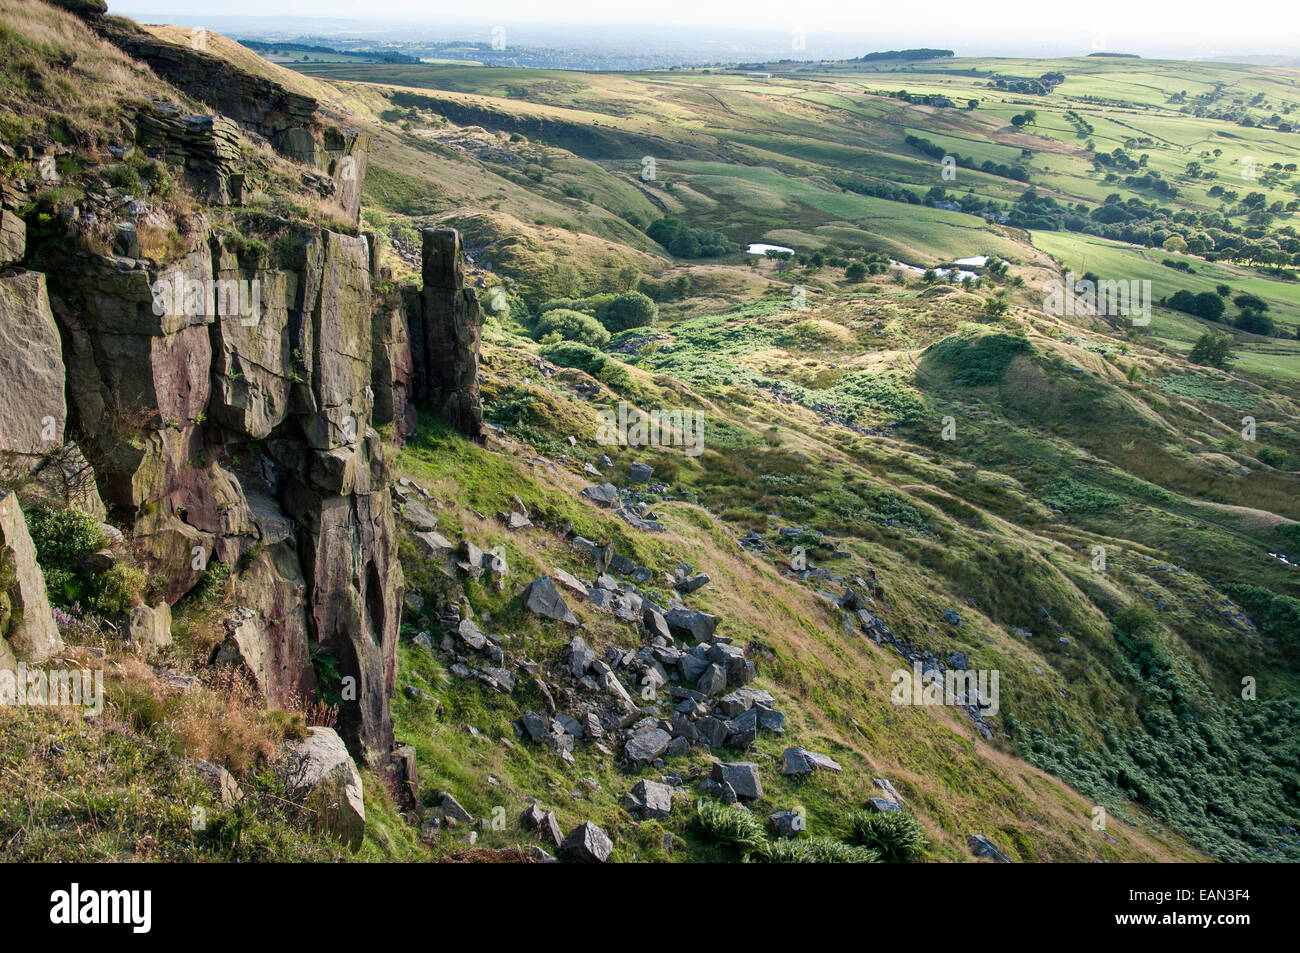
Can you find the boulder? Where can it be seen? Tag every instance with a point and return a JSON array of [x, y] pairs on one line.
[[786, 823], [151, 629], [27, 629], [419, 515], [713, 681], [742, 699], [712, 730], [650, 800], [742, 776], [587, 843], [691, 624], [221, 781], [656, 626], [452, 810], [606, 494], [66, 477], [434, 544], [13, 237], [581, 656], [692, 666], [742, 731], [888, 789], [769, 719], [536, 727], [320, 774], [471, 635], [693, 582], [570, 582], [803, 761], [32, 373], [732, 660], [247, 643], [517, 521], [543, 823], [543, 599], [646, 745], [640, 473], [981, 846]]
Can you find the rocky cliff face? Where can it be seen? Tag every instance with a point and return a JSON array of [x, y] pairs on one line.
[[229, 397], [427, 344], [247, 441]]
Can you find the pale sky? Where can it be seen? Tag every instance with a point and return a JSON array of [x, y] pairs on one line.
[[1149, 27]]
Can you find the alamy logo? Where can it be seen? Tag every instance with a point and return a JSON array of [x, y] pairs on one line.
[[659, 428], [57, 688], [961, 688], [75, 906], [1105, 297], [210, 298]]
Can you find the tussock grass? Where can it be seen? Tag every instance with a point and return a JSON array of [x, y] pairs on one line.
[[817, 850], [895, 836], [732, 828]]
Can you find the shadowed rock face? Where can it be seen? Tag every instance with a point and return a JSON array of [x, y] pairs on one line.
[[445, 325], [247, 439], [243, 435], [393, 368], [426, 345]]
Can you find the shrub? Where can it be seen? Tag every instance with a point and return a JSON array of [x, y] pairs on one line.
[[631, 309], [117, 590], [1250, 302], [1255, 322], [895, 835], [686, 242], [1206, 305], [617, 312], [571, 326], [1273, 457], [62, 536], [587, 358], [211, 589]]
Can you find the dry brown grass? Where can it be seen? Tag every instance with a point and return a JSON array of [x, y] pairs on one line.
[[221, 718], [59, 71], [226, 721]]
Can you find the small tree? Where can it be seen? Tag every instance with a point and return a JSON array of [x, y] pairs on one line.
[[628, 278], [1212, 350], [780, 256], [995, 307]]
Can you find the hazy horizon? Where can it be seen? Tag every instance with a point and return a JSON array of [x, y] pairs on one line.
[[824, 29]]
